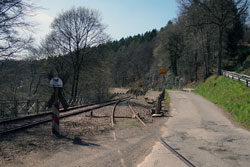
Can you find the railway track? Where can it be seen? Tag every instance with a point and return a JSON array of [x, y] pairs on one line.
[[17, 124], [181, 157]]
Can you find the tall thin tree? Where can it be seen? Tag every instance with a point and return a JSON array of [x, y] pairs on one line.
[[73, 32]]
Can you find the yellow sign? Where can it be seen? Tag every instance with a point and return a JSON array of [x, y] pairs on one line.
[[163, 71]]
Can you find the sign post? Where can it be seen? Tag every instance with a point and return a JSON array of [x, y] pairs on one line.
[[56, 83], [56, 114], [163, 72], [162, 95]]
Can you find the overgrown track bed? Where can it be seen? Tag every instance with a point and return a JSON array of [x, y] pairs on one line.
[[13, 125], [90, 133]]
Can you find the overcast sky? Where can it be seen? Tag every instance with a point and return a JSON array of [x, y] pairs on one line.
[[123, 18]]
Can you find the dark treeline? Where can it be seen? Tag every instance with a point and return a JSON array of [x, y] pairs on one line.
[[29, 78], [132, 59], [207, 36], [116, 63]]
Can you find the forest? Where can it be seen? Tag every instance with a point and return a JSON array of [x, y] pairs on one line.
[[206, 37]]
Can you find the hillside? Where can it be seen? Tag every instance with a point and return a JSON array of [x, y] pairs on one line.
[[189, 50], [231, 95], [115, 63]]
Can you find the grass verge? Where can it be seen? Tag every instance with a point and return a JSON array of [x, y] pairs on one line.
[[128, 124], [173, 89], [167, 97], [230, 94]]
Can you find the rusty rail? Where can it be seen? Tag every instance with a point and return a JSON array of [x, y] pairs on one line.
[[135, 115], [113, 114], [187, 162], [47, 117]]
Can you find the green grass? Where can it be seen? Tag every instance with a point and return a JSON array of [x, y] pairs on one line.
[[128, 124], [230, 94], [173, 89], [25, 148], [167, 97]]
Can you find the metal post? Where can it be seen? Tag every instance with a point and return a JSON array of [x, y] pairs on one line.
[[91, 114], [2, 109], [80, 102], [163, 94], [55, 114], [15, 108], [246, 82], [37, 106], [27, 106], [78, 99]]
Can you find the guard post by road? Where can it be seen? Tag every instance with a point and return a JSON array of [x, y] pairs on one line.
[[56, 83], [161, 96]]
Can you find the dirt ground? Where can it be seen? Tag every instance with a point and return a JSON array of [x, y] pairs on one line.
[[38, 142]]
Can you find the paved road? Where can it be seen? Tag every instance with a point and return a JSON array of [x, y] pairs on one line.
[[201, 132]]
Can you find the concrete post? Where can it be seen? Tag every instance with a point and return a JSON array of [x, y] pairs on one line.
[[158, 105]]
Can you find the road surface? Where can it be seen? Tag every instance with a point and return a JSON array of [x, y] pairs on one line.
[[202, 133]]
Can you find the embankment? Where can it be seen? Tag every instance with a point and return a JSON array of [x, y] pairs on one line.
[[229, 94]]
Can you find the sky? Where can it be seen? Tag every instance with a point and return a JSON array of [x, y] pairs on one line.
[[123, 18]]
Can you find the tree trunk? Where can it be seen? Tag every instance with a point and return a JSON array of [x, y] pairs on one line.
[[77, 83], [73, 84], [219, 57], [77, 79], [30, 86], [205, 59], [208, 54], [196, 66]]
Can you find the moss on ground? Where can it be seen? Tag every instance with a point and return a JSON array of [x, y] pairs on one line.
[[230, 94], [128, 124]]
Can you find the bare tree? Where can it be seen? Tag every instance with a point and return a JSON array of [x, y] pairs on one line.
[[221, 14], [12, 13], [56, 55], [73, 32]]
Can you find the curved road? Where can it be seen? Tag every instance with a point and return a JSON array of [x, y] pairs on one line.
[[202, 133]]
